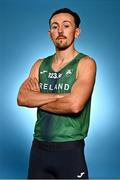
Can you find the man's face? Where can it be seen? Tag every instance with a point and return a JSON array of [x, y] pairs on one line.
[[63, 30]]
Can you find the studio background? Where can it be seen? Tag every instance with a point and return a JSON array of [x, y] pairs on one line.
[[24, 39]]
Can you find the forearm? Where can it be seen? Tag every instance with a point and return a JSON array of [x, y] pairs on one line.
[[63, 105], [56, 107], [30, 98]]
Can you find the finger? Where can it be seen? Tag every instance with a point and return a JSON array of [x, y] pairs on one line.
[[27, 84], [60, 96], [37, 84], [31, 84]]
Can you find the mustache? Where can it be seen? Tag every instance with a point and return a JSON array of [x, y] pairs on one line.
[[61, 36]]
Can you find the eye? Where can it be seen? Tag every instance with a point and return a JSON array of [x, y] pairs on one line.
[[66, 25], [54, 27]]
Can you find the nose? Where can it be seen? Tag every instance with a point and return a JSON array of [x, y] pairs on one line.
[[60, 30]]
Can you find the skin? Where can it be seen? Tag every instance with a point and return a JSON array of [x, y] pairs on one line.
[[62, 32], [29, 94]]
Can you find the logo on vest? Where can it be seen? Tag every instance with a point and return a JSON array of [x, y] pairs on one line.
[[69, 72], [43, 72], [54, 75]]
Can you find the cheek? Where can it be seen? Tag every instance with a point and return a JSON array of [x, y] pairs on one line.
[[71, 34], [53, 35]]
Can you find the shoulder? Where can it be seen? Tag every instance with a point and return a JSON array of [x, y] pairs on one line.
[[87, 60], [86, 65], [35, 68], [37, 63]]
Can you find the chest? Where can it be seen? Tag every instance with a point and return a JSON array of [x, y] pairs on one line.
[[56, 67], [59, 82]]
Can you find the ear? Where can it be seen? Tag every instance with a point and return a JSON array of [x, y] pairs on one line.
[[77, 32], [49, 33]]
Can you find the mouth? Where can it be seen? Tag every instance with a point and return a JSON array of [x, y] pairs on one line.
[[61, 37]]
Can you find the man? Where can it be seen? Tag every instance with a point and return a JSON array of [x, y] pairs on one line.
[[60, 86]]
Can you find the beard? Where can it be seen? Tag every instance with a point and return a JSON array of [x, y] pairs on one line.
[[60, 45]]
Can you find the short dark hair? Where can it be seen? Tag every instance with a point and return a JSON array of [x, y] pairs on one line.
[[66, 10]]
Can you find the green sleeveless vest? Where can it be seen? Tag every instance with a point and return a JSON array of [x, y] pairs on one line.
[[57, 127]]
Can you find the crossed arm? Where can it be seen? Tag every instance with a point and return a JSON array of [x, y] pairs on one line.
[[72, 102], [29, 94]]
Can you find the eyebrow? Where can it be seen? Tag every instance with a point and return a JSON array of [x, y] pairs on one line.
[[62, 22]]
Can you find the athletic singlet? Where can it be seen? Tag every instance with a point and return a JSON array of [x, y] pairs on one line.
[[58, 127]]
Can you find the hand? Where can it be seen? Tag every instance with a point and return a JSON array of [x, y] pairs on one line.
[[60, 96], [33, 84]]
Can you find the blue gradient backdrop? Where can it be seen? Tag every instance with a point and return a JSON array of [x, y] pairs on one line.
[[23, 39]]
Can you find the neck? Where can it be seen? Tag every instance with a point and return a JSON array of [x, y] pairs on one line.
[[65, 55]]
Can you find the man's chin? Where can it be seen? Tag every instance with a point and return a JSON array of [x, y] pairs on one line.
[[61, 47]]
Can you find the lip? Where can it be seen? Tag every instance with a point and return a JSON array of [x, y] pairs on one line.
[[61, 37]]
